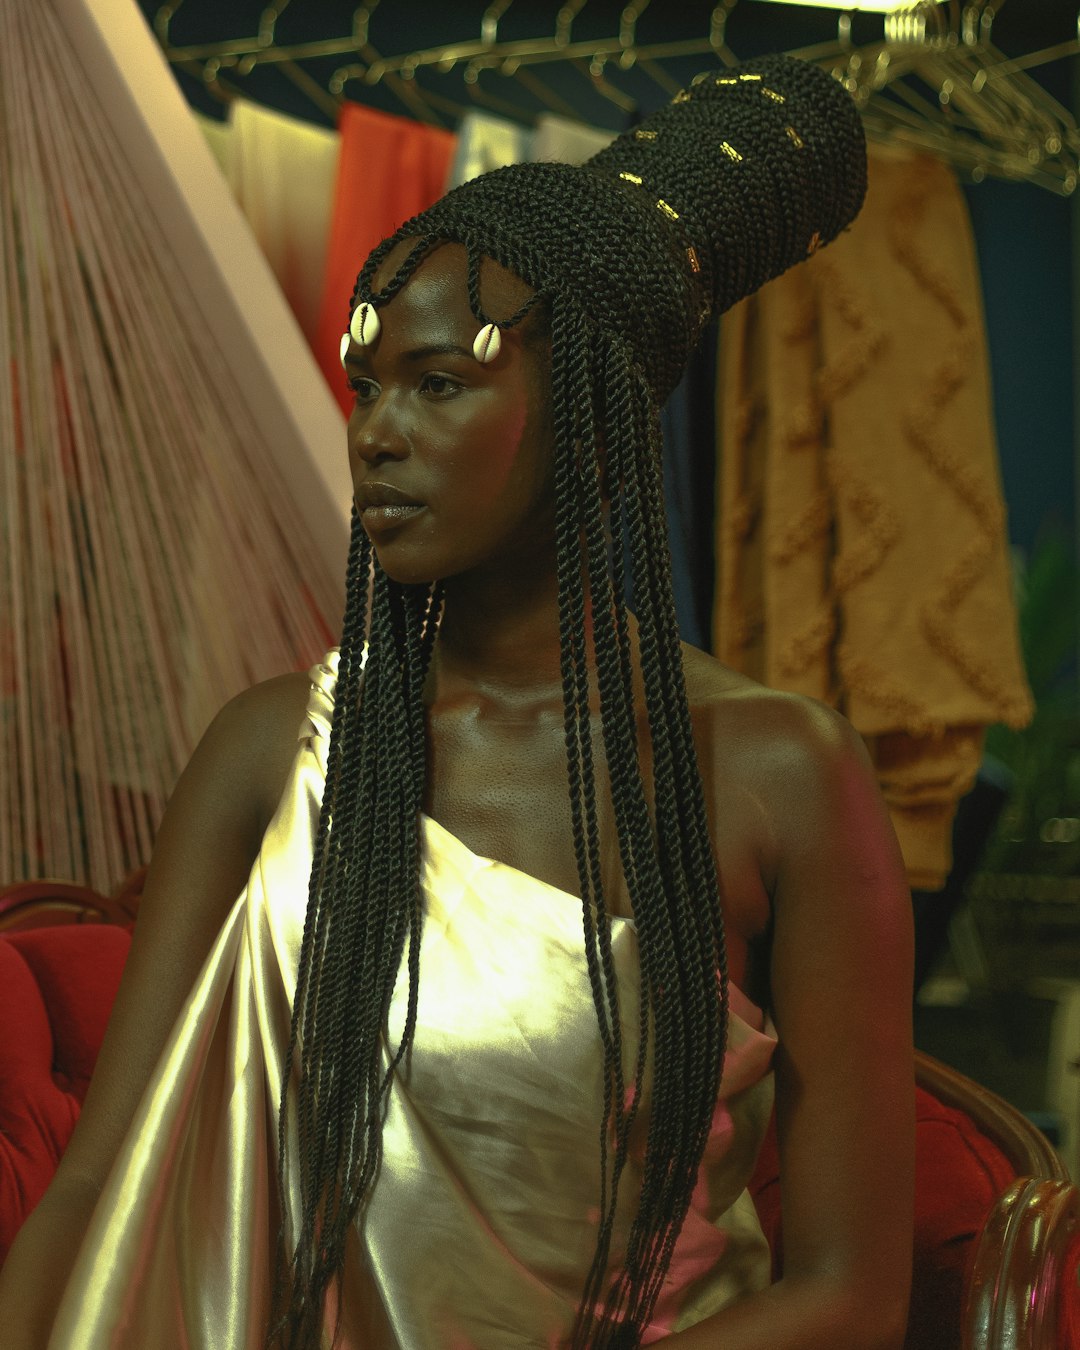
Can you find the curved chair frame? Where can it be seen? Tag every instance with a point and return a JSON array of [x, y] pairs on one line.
[[1023, 1287], [44, 903], [1027, 1270]]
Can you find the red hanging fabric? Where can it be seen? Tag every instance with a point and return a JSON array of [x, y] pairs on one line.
[[389, 169]]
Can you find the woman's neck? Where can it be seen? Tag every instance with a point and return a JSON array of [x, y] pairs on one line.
[[499, 634]]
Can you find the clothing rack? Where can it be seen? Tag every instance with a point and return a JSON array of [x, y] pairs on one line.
[[932, 81]]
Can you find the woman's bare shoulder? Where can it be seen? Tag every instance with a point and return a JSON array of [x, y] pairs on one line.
[[271, 709], [750, 716], [787, 752], [262, 725]]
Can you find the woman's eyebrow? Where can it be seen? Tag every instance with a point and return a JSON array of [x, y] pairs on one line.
[[359, 356], [436, 349]]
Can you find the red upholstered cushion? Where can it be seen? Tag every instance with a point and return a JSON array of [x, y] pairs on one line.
[[57, 987], [1068, 1331], [1069, 1313], [959, 1174]]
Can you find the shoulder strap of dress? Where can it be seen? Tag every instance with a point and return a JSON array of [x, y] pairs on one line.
[[320, 708]]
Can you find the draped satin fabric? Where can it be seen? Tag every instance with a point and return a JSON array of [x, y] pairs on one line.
[[481, 1226]]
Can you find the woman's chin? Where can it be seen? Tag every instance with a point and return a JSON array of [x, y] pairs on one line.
[[406, 571]]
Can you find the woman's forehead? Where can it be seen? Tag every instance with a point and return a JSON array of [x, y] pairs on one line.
[[443, 275]]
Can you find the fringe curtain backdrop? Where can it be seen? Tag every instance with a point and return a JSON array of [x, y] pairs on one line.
[[151, 562]]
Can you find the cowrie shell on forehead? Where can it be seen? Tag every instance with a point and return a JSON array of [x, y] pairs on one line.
[[364, 324], [344, 347], [487, 344]]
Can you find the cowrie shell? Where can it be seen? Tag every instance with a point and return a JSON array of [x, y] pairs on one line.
[[344, 347], [364, 324], [487, 344]]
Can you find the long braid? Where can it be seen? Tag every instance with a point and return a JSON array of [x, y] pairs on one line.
[[666, 899], [359, 920], [566, 354], [621, 435], [575, 477], [633, 828], [298, 1262], [691, 1029]]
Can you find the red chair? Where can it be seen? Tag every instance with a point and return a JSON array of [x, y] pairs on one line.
[[1022, 1286], [62, 951], [997, 1221]]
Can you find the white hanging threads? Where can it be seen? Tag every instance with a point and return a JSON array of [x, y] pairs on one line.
[[152, 562], [364, 324], [487, 344]]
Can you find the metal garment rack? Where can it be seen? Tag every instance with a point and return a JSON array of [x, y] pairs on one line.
[[933, 82]]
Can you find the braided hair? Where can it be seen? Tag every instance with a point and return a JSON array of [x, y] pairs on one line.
[[742, 175]]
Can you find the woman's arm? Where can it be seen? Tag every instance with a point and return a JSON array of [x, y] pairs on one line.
[[841, 983], [208, 840]]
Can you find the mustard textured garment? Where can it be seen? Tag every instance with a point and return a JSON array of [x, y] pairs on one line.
[[863, 554], [481, 1226]]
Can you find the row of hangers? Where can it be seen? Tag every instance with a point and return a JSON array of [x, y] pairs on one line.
[[934, 81], [948, 90]]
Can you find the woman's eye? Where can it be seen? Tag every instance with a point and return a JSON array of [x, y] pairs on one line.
[[365, 390], [439, 385]]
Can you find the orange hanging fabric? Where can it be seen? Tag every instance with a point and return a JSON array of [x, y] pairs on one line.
[[389, 169]]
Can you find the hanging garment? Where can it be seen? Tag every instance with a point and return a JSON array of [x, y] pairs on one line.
[[569, 142], [218, 136], [281, 171], [862, 550], [389, 169], [487, 142], [481, 1226]]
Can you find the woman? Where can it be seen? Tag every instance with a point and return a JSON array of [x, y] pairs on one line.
[[486, 1132]]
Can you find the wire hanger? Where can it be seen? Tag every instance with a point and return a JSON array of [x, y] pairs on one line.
[[485, 99], [629, 57], [512, 68], [373, 69]]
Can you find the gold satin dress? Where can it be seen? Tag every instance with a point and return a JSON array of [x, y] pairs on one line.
[[481, 1226]]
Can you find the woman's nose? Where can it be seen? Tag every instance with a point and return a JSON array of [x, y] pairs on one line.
[[376, 432]]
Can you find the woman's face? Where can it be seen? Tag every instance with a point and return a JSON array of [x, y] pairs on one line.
[[451, 460]]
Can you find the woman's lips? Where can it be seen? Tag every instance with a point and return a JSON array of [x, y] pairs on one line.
[[382, 505], [384, 517]]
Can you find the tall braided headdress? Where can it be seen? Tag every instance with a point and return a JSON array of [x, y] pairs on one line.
[[741, 176]]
